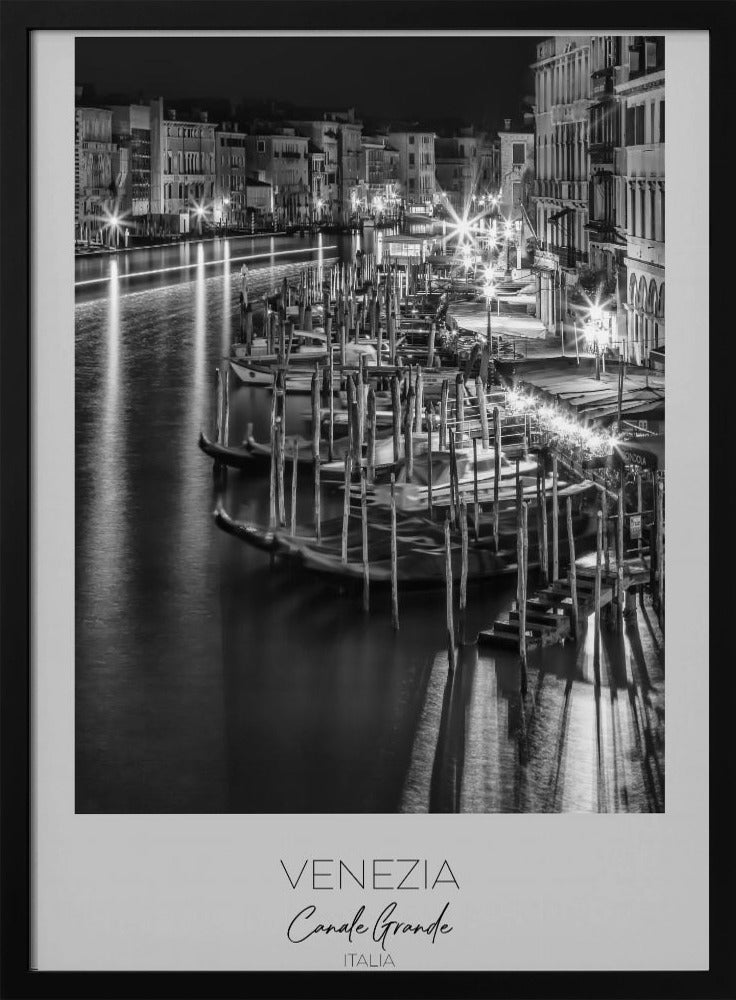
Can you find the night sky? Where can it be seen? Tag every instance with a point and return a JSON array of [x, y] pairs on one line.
[[478, 80]]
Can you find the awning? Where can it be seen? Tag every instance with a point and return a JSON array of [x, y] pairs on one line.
[[558, 215]]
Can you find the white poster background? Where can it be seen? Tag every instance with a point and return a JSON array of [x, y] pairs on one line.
[[188, 892]]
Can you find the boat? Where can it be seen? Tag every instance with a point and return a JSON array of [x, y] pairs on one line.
[[420, 559]]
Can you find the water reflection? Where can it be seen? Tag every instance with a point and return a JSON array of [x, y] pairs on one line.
[[210, 681]]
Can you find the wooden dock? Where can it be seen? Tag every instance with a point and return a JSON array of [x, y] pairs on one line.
[[549, 611]]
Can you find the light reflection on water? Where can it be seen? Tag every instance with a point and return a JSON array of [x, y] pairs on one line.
[[209, 681]]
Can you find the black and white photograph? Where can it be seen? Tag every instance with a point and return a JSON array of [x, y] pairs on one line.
[[370, 495]]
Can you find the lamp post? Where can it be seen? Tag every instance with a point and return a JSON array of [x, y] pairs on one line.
[[226, 210], [597, 335], [114, 227]]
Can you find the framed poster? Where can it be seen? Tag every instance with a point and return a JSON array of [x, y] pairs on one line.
[[274, 724]]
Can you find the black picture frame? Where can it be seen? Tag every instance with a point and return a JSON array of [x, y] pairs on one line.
[[19, 19]]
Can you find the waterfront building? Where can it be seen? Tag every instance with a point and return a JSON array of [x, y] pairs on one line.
[[349, 132], [281, 157], [259, 201], [182, 169], [324, 168], [230, 203], [95, 191], [378, 175], [416, 163], [131, 133], [560, 200], [639, 88]]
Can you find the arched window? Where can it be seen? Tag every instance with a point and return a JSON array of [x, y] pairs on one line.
[[632, 290], [642, 303], [660, 302], [652, 304]]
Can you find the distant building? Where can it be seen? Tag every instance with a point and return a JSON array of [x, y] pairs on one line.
[[282, 158], [131, 132], [96, 195], [230, 204], [516, 155], [324, 165], [416, 163], [259, 200], [182, 169], [349, 132], [378, 175]]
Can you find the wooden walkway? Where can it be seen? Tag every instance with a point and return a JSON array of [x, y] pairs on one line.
[[549, 612]]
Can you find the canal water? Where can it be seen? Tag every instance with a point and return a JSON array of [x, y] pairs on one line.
[[208, 680]]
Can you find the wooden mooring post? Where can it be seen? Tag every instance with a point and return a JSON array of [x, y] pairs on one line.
[[496, 471], [660, 549], [449, 601], [396, 415], [294, 468], [272, 480], [346, 508], [409, 434], [572, 575], [555, 523], [482, 410], [476, 510], [371, 442], [597, 600], [463, 565], [429, 417], [444, 399], [620, 549], [394, 560], [544, 554], [460, 408], [364, 527]]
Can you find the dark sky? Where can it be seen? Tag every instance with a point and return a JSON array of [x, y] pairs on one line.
[[478, 79]]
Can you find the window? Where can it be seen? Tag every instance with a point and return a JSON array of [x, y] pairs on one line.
[[411, 140], [639, 131], [518, 152], [411, 159], [651, 123], [516, 192], [261, 146], [661, 121]]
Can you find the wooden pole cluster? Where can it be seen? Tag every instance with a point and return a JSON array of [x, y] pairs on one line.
[[316, 455], [522, 558], [394, 559]]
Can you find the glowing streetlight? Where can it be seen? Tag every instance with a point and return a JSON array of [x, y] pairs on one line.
[[596, 336]]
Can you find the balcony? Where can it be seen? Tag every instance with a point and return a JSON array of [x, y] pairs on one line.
[[568, 257], [561, 190], [601, 152], [601, 83]]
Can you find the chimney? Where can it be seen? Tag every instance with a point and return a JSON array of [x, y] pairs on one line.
[[507, 124], [203, 116], [172, 114]]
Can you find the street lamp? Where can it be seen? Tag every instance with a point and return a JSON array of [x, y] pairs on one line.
[[113, 224], [199, 212], [226, 211], [597, 337]]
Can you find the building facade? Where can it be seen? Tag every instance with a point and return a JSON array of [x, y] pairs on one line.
[[324, 175], [560, 201], [640, 90], [416, 164], [96, 195], [279, 156], [378, 175], [131, 132], [230, 202], [516, 156], [182, 169]]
